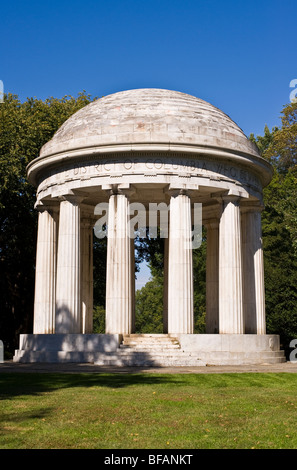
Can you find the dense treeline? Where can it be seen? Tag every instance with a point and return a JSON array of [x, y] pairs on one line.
[[25, 127], [279, 223]]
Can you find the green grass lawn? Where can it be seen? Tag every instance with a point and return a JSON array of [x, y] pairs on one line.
[[148, 411]]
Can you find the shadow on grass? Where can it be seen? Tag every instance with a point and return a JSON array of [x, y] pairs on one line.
[[13, 385], [35, 384], [19, 417]]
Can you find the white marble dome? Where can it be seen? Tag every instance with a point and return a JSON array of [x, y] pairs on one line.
[[149, 116]]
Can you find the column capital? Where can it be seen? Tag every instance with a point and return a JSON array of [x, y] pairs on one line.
[[46, 205], [175, 190], [119, 189], [74, 199], [231, 198]]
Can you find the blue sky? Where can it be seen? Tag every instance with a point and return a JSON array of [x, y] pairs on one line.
[[238, 55]]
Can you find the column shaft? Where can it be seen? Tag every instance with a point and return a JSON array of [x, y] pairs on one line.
[[180, 266], [87, 275], [165, 286], [253, 272], [68, 303], [212, 277], [230, 269], [45, 274], [132, 251], [118, 272]]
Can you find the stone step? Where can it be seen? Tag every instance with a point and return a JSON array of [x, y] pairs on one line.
[[230, 358], [148, 335], [150, 338], [157, 360], [272, 353], [126, 363], [152, 354], [149, 341], [150, 357], [149, 347]]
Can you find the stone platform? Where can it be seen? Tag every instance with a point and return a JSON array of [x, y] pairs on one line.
[[151, 350]]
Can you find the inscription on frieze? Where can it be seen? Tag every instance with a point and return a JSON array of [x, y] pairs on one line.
[[158, 165]]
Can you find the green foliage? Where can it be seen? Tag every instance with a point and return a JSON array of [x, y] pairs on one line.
[[263, 142], [149, 299], [150, 250], [199, 279], [280, 264], [283, 149], [279, 224], [99, 319], [149, 307], [99, 268]]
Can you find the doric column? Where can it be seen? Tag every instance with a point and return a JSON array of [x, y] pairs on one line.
[[230, 268], [45, 273], [118, 269], [212, 276], [180, 265], [87, 274], [165, 286], [68, 295], [132, 251], [253, 270]]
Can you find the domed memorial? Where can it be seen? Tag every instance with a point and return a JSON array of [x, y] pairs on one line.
[[178, 163]]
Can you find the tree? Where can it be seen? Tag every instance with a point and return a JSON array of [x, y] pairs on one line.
[[279, 224], [282, 151], [149, 299], [199, 277], [149, 307]]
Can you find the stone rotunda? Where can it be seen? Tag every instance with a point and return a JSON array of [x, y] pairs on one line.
[[152, 147]]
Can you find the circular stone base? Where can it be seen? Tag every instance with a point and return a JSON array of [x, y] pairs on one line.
[[196, 349]]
